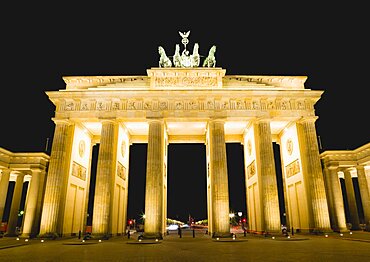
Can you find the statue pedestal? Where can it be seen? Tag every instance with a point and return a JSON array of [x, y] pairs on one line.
[[199, 77]]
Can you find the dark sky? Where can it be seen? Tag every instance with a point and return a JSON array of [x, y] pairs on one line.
[[40, 44]]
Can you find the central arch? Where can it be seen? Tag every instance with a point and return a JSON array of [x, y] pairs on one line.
[[187, 181]]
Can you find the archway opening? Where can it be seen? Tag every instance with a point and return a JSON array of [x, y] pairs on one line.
[[236, 180], [186, 182], [136, 183]]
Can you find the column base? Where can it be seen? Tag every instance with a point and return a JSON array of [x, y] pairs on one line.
[[320, 231], [148, 236], [49, 235], [25, 235], [340, 230], [222, 235]]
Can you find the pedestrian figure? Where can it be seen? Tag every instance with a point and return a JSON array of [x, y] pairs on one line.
[[284, 230], [128, 234], [79, 234], [179, 231], [193, 232]]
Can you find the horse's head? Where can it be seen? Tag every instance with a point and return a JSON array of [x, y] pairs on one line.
[[196, 48], [212, 50], [161, 50], [177, 48]]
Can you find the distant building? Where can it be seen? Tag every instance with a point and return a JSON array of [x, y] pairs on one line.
[[21, 169], [341, 168]]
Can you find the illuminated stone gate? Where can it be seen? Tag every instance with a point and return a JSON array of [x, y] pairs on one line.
[[183, 105]]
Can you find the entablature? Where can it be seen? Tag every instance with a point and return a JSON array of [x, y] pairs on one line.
[[23, 161], [359, 156], [184, 78], [280, 103]]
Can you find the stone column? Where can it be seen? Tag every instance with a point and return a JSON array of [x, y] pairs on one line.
[[365, 194], [267, 176], [154, 181], [39, 205], [335, 199], [31, 203], [353, 211], [4, 184], [219, 179], [14, 208], [53, 207], [106, 169], [329, 197], [312, 173]]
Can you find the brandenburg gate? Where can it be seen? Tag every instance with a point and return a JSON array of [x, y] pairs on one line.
[[181, 101], [183, 105]]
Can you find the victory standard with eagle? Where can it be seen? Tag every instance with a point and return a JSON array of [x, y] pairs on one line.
[[186, 60]]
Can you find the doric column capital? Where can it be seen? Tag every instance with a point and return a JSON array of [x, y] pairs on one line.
[[349, 169], [332, 167], [261, 119], [307, 119], [155, 119], [37, 170], [217, 120], [61, 121], [19, 174], [5, 170], [108, 120], [360, 167]]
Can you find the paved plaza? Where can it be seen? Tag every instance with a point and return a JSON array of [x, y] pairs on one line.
[[198, 247]]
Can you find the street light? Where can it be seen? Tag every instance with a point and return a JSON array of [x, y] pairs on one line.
[[240, 216]]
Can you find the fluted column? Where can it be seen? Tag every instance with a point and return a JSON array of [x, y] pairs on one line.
[[4, 184], [154, 180], [219, 184], [267, 175], [365, 194], [335, 199], [39, 205], [312, 173], [14, 208], [329, 197], [51, 221], [352, 205], [31, 203], [104, 179]]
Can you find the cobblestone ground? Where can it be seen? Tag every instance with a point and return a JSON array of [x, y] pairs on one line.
[[198, 247]]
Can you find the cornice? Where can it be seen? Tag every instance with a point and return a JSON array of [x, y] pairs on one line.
[[23, 161], [359, 155], [185, 78]]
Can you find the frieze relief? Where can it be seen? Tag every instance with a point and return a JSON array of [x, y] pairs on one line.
[[79, 171], [116, 105], [251, 169], [292, 169], [187, 104], [101, 106], [190, 81], [85, 106], [121, 171], [69, 106]]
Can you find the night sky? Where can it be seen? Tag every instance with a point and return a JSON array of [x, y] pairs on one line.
[[40, 44]]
